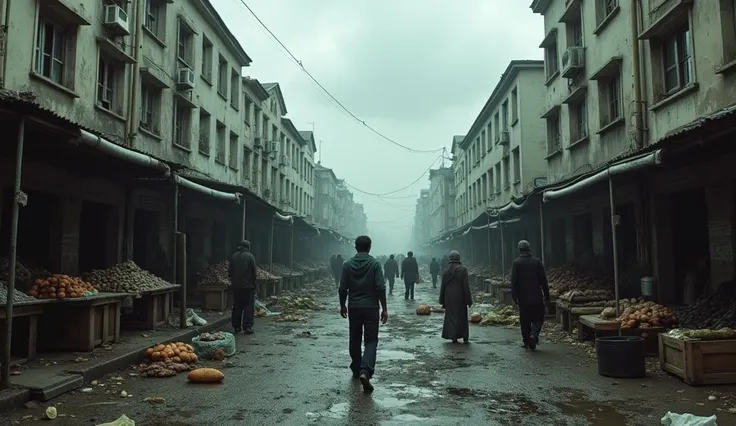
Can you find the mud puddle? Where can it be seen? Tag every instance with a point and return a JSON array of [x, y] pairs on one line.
[[597, 414]]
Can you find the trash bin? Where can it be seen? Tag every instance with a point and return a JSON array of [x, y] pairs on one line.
[[621, 356]]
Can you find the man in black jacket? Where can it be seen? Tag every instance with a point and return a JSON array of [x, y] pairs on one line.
[[242, 273], [529, 290], [391, 272], [363, 286], [434, 270], [410, 274]]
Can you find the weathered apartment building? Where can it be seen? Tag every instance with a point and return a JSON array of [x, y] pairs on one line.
[[631, 84], [334, 205], [504, 151], [441, 201], [421, 227]]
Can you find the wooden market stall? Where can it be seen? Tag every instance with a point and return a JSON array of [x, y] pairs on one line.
[[568, 315], [150, 309], [593, 326], [699, 362], [25, 331]]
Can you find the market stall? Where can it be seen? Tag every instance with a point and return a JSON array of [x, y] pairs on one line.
[[267, 284], [699, 357], [575, 293], [214, 285], [290, 278], [26, 312], [150, 303]]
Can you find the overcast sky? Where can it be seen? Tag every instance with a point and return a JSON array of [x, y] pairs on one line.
[[418, 71]]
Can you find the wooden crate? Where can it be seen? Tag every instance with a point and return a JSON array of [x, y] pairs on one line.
[[593, 326], [214, 298], [150, 310], [569, 315], [699, 362], [25, 328]]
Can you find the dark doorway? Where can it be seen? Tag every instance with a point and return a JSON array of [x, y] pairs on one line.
[[96, 236], [582, 242], [219, 242], [690, 247], [146, 238], [558, 253], [36, 221]]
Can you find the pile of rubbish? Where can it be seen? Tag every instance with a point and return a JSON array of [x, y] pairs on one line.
[[281, 270], [18, 296], [294, 306], [566, 278], [506, 316], [262, 274], [126, 277], [714, 311], [217, 275]]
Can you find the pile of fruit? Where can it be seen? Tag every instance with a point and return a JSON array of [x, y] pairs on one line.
[[265, 275], [59, 286], [18, 296], [566, 278], [177, 352], [126, 277], [713, 311], [646, 315], [216, 275], [610, 311]]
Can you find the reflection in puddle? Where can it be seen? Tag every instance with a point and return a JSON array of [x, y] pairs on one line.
[[390, 355], [408, 418], [415, 391], [392, 402]]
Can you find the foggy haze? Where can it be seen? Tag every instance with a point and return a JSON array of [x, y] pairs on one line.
[[367, 52]]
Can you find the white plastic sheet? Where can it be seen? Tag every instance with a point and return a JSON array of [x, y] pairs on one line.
[[674, 419], [121, 421]]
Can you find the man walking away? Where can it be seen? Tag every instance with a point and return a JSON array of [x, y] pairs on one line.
[[456, 299], [434, 269], [445, 262], [391, 272], [410, 274], [337, 269], [242, 273], [363, 287], [529, 290]]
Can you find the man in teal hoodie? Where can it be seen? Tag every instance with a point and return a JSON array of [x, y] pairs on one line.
[[362, 286]]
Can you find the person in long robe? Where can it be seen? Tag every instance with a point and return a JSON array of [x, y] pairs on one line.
[[455, 298]]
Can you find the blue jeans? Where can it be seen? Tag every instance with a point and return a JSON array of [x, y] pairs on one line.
[[244, 309], [363, 326]]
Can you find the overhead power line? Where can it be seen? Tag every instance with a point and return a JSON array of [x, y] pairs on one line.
[[327, 92], [400, 189]]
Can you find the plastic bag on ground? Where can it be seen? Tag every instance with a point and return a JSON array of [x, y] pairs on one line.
[[121, 421], [205, 349], [260, 305], [674, 419], [194, 319]]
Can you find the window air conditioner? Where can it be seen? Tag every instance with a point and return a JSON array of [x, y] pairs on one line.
[[185, 78], [257, 143], [504, 137], [573, 61], [274, 147], [116, 20]]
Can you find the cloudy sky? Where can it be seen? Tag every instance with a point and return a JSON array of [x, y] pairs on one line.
[[418, 71]]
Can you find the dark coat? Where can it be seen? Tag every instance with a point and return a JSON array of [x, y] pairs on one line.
[[410, 270], [337, 266], [455, 297], [434, 267], [529, 280], [391, 269], [445, 261], [242, 269]]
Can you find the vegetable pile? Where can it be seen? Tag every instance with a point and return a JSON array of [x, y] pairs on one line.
[[610, 312], [281, 270], [265, 275], [714, 311], [212, 337], [684, 334], [23, 274], [424, 310], [647, 315], [18, 296], [177, 352], [567, 278], [59, 286], [504, 316], [216, 275], [586, 296], [167, 368], [126, 277]]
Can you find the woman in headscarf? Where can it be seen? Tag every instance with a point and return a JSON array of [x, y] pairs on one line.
[[456, 299]]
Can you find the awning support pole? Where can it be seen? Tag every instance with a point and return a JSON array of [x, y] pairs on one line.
[[242, 234], [503, 250], [5, 379], [541, 230], [270, 247], [614, 224]]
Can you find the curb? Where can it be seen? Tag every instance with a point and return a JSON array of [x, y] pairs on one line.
[[80, 376]]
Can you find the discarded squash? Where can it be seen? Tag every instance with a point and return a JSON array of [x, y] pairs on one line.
[[176, 352], [475, 317], [424, 309], [206, 375]]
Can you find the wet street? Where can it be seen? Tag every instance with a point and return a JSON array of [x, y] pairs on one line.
[[296, 374]]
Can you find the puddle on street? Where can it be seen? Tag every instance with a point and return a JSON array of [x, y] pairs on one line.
[[391, 402], [414, 391], [595, 414], [389, 355], [408, 418]]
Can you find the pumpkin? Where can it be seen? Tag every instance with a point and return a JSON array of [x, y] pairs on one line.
[[205, 375], [424, 309], [475, 317]]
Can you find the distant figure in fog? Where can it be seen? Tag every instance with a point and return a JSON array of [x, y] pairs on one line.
[[410, 274], [456, 299], [242, 271], [529, 290], [363, 287], [445, 262], [434, 270], [337, 269], [391, 272]]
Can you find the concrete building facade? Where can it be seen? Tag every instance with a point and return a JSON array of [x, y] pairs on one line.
[[441, 201], [420, 229]]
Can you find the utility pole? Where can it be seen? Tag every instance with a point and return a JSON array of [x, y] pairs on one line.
[[320, 151], [444, 153]]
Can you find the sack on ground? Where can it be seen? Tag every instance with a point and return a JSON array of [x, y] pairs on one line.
[[205, 349], [674, 419]]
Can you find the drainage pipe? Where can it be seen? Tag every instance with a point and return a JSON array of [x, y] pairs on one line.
[[647, 160], [227, 196], [635, 42], [135, 87], [111, 148], [5, 374]]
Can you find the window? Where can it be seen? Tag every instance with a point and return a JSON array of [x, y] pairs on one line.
[[574, 33], [514, 105], [498, 177], [677, 61], [246, 164], [182, 125], [506, 174], [579, 120], [222, 76], [553, 133], [207, 52], [491, 187], [610, 96], [221, 143], [234, 150], [155, 17], [496, 127], [51, 44], [483, 143], [235, 89], [604, 9], [185, 48], [505, 115], [517, 165], [205, 129], [110, 90], [150, 107], [248, 109], [490, 132], [550, 60]]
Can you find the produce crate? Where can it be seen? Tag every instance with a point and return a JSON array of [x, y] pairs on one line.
[[593, 326], [699, 362], [551, 311], [25, 328], [214, 298], [150, 310], [268, 287], [569, 315], [504, 296], [81, 324]]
